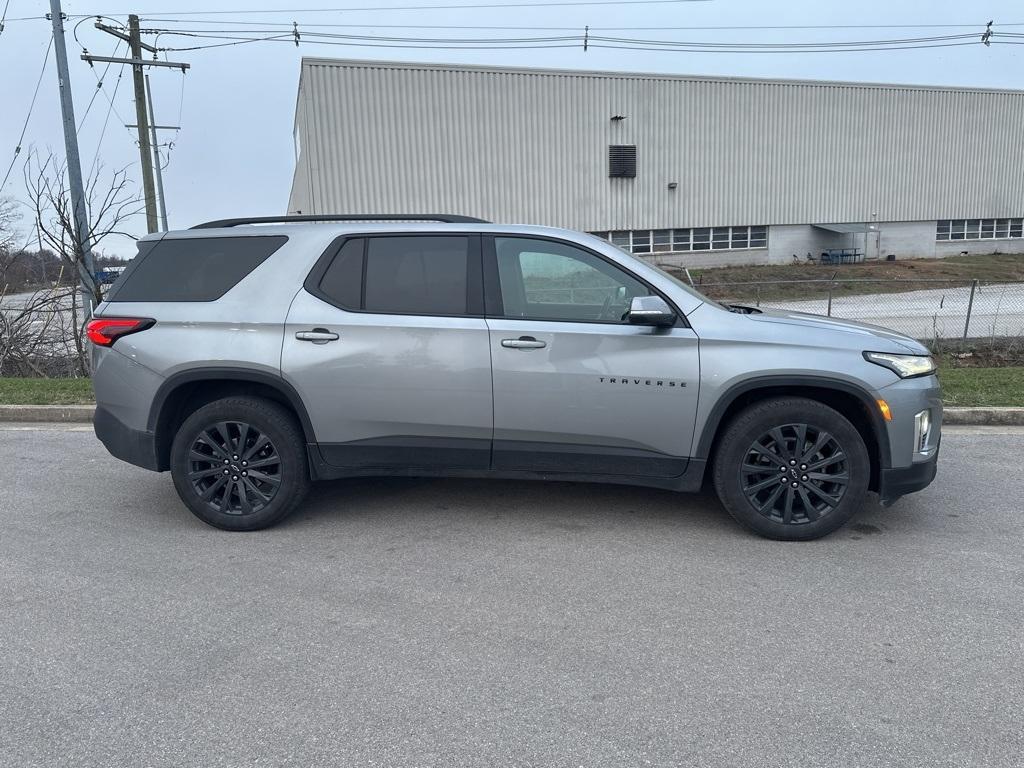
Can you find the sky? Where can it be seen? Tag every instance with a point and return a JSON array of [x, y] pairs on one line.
[[234, 153]]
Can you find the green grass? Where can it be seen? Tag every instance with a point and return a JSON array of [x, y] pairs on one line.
[[983, 386], [961, 386], [45, 391]]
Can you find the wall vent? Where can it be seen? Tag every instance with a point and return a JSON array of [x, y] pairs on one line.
[[622, 161]]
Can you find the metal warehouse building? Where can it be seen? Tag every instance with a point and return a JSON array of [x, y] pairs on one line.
[[686, 170]]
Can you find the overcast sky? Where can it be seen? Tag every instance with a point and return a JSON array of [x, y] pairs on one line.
[[234, 152]]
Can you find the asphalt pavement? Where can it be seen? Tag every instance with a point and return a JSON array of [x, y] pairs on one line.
[[417, 622]]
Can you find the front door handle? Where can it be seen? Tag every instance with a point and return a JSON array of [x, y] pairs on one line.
[[317, 336], [523, 342]]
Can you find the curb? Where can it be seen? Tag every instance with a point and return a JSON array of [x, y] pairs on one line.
[[82, 414], [1001, 417]]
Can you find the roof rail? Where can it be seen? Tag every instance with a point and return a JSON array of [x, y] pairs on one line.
[[440, 217]]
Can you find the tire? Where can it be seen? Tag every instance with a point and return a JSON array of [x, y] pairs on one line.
[[823, 485], [265, 474]]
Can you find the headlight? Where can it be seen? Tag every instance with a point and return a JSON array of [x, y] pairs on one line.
[[904, 366]]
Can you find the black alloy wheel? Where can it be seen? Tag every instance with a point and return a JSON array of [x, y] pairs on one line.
[[795, 474], [234, 468]]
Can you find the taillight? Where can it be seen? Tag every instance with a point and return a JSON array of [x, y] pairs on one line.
[[104, 331]]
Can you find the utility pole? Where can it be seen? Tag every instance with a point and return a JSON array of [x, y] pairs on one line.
[[147, 135], [77, 192], [145, 151], [156, 159]]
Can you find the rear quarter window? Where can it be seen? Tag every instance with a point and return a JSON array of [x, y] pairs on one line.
[[194, 268]]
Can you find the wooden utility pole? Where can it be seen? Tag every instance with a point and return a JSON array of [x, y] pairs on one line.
[[142, 119], [78, 209], [156, 159], [146, 146]]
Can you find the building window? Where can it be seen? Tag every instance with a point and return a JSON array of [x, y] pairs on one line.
[[701, 239], [648, 241], [978, 229], [662, 240], [622, 240], [622, 161]]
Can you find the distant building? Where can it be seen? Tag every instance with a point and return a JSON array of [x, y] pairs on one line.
[[685, 170]]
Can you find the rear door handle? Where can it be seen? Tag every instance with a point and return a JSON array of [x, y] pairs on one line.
[[317, 336], [523, 342]]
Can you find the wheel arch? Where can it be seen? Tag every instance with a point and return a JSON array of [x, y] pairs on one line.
[[857, 404], [186, 391]]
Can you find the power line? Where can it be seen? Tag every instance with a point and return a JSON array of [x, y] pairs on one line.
[[99, 86], [110, 99], [31, 107], [569, 41], [484, 27], [828, 50], [103, 131], [3, 16]]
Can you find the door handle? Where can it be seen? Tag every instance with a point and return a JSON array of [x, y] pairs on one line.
[[317, 336], [523, 342]]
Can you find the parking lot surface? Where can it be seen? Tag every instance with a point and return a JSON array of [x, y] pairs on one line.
[[472, 623]]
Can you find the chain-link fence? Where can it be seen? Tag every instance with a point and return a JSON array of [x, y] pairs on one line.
[[930, 310]]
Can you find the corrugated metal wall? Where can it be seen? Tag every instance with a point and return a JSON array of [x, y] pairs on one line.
[[531, 146]]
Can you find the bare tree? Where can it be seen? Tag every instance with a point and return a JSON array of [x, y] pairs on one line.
[[8, 217], [41, 331], [33, 327], [109, 203], [44, 323]]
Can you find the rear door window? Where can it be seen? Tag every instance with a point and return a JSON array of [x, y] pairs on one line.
[[417, 275], [403, 275], [193, 268]]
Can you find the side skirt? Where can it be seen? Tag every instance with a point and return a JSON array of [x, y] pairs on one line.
[[689, 481]]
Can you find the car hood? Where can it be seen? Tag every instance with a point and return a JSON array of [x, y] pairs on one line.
[[876, 338]]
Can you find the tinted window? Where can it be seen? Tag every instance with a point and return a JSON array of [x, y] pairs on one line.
[[417, 275], [342, 283], [544, 280], [194, 269]]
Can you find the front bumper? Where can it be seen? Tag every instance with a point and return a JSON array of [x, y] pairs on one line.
[[894, 483], [131, 445]]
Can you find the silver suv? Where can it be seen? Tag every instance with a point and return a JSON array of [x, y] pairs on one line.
[[252, 356]]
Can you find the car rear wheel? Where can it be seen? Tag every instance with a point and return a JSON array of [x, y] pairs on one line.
[[240, 464], [792, 469]]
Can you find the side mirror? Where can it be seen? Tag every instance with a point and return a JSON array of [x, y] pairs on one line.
[[650, 310]]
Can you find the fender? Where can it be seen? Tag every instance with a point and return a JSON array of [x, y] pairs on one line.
[[229, 374], [714, 418]]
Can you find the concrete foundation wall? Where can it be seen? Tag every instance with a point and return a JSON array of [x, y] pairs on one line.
[[705, 259], [904, 239], [956, 247]]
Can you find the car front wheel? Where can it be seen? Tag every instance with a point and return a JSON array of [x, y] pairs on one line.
[[792, 469]]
